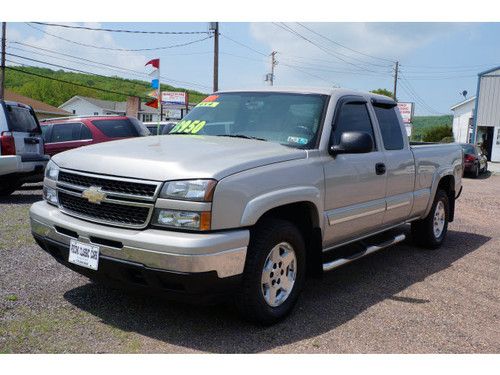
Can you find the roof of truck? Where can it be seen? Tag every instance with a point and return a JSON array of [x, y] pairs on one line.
[[308, 90]]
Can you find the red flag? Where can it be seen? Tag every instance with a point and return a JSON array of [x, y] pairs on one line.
[[155, 63], [153, 103]]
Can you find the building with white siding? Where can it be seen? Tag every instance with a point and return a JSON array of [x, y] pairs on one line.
[[487, 113], [463, 120]]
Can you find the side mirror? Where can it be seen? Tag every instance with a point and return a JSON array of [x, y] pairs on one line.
[[353, 143]]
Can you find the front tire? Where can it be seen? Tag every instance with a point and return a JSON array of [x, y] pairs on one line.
[[274, 272], [430, 232]]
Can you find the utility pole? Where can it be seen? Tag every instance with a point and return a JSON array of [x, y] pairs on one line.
[[396, 70], [273, 64], [214, 26], [2, 68]]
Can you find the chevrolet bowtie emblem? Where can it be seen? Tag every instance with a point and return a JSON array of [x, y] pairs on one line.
[[94, 194]]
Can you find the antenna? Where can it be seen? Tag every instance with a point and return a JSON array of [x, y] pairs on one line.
[[464, 94]]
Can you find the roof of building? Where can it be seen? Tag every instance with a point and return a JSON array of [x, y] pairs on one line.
[[489, 71], [113, 106], [463, 102], [37, 105]]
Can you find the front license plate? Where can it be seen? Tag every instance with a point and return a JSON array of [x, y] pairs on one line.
[[84, 254]]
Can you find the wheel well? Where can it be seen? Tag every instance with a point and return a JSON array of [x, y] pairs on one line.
[[305, 216], [447, 184]]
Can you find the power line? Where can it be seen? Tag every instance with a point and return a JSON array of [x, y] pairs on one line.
[[334, 54], [122, 30], [343, 46], [64, 81], [408, 87], [121, 49], [243, 45], [108, 66]]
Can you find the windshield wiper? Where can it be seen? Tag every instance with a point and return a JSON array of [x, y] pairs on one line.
[[241, 136]]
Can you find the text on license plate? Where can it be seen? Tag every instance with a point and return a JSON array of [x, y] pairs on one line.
[[84, 254]]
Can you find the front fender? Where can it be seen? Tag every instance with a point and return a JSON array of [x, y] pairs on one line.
[[258, 206]]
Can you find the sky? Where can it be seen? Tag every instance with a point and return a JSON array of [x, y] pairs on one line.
[[438, 61]]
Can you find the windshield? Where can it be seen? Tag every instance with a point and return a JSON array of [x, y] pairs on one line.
[[290, 119], [468, 149]]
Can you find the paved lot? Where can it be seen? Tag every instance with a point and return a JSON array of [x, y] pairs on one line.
[[403, 299]]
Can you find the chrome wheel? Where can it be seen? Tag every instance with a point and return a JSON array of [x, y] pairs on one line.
[[439, 219], [279, 274]]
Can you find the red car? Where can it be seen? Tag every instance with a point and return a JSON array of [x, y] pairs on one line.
[[475, 162], [71, 132]]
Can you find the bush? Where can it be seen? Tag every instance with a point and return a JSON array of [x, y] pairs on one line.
[[448, 140], [437, 133]]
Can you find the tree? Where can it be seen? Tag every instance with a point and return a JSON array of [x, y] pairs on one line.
[[382, 92], [438, 134]]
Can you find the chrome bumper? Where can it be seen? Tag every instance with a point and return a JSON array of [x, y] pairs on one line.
[[223, 252]]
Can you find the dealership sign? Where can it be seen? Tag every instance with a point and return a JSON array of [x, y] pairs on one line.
[[406, 110], [172, 99]]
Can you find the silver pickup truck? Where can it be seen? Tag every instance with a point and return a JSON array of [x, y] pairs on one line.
[[247, 194]]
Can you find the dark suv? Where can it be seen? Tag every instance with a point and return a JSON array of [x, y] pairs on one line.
[[73, 132]]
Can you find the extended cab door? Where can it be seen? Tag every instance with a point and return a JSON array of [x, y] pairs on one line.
[[400, 163], [354, 183]]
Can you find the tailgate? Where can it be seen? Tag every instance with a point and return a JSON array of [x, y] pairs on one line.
[[23, 124]]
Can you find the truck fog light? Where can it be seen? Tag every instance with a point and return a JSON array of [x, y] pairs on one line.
[[182, 219], [50, 195]]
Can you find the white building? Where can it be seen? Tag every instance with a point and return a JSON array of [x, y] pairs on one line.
[[487, 113], [463, 120], [85, 106]]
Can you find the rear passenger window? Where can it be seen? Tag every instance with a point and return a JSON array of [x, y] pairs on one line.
[[117, 128], [85, 133], [389, 127], [353, 117], [65, 132]]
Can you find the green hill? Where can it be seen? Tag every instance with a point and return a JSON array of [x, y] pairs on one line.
[[56, 93], [422, 123]]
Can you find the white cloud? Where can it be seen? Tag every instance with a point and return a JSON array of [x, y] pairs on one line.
[[128, 60], [392, 41]]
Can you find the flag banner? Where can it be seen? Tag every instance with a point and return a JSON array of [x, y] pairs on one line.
[[154, 73], [153, 103], [155, 83], [153, 94], [155, 63]]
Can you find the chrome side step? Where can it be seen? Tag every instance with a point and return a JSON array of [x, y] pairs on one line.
[[369, 250]]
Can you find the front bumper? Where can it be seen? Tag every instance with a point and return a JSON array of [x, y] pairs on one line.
[[222, 254]]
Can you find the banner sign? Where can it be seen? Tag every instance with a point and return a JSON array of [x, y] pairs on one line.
[[172, 99], [406, 110]]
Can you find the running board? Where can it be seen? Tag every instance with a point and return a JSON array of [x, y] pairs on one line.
[[369, 250]]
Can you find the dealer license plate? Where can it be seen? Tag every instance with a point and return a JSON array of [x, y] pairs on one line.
[[84, 254]]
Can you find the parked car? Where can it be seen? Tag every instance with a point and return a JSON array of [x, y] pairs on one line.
[[165, 127], [22, 157], [67, 133], [248, 192], [475, 162]]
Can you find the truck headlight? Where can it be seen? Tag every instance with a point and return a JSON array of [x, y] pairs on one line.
[[50, 195], [182, 219], [191, 190], [52, 171]]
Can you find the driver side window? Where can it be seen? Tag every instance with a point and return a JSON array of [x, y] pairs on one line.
[[353, 117]]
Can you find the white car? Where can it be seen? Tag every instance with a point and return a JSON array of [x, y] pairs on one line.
[[22, 157]]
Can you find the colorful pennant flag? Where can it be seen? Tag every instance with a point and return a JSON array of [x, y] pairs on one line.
[[155, 63], [153, 103]]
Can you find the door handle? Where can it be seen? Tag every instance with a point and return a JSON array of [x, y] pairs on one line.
[[380, 168]]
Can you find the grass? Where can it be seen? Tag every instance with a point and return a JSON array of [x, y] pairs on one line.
[[11, 297], [15, 229]]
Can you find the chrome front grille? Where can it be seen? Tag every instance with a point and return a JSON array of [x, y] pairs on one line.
[[125, 203]]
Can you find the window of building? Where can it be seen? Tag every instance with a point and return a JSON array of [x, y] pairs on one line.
[[147, 117], [353, 117], [96, 113], [389, 127]]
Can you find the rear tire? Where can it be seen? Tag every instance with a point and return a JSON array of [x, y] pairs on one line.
[[274, 272], [430, 232], [476, 172]]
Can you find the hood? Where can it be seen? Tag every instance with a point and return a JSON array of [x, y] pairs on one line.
[[171, 157]]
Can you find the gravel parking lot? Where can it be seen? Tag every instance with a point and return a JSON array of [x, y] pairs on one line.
[[400, 300]]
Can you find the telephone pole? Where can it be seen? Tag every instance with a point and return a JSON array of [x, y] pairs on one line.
[[396, 70], [2, 63], [214, 26], [273, 64]]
